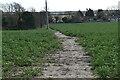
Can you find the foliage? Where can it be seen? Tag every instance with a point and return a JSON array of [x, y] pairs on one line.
[[15, 20], [79, 13], [26, 21], [56, 19], [77, 17], [100, 14], [29, 72], [24, 49], [89, 13], [66, 20], [100, 41], [12, 7], [4, 21]]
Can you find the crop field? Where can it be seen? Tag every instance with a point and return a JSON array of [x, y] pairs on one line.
[[23, 50], [100, 41]]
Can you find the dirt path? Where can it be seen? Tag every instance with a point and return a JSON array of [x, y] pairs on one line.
[[72, 61]]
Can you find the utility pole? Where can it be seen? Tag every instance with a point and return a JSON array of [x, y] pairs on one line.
[[47, 20]]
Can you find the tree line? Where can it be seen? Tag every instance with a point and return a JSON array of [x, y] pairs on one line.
[[16, 17], [90, 16]]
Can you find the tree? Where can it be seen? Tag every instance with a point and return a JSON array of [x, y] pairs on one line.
[[79, 13], [77, 17], [31, 9], [12, 7], [89, 13], [6, 7], [56, 19], [50, 18], [26, 21], [100, 10], [65, 19], [42, 18], [18, 7], [100, 14], [4, 22]]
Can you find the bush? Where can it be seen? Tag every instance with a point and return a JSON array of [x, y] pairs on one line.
[[26, 21]]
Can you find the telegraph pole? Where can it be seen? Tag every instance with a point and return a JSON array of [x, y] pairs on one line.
[[47, 20]]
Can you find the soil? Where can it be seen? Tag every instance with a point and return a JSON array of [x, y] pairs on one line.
[[70, 62]]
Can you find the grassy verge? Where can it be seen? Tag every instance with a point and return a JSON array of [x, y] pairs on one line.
[[100, 41], [21, 50], [0, 54]]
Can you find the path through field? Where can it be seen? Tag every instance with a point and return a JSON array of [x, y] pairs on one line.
[[72, 62]]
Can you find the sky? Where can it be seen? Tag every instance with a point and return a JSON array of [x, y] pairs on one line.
[[65, 5]]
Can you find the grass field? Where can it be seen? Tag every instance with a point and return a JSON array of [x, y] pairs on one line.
[[0, 54], [100, 41], [23, 48]]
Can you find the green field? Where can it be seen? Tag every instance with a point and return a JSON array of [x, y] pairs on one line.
[[100, 41], [22, 50], [0, 54]]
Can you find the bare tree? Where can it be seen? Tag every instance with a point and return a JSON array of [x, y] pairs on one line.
[[18, 7], [31, 9], [114, 7], [5, 7], [12, 7]]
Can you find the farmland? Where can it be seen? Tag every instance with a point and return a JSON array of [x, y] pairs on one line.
[[100, 41], [23, 50]]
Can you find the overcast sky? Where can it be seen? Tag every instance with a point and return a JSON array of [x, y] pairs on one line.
[[65, 5]]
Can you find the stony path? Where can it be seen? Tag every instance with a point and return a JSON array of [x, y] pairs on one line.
[[71, 61]]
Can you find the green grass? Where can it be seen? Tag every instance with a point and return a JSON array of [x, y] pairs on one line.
[[22, 49], [100, 41], [0, 54]]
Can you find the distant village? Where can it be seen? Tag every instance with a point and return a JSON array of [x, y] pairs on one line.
[[84, 16]]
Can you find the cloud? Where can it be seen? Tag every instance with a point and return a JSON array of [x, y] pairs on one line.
[[63, 5]]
